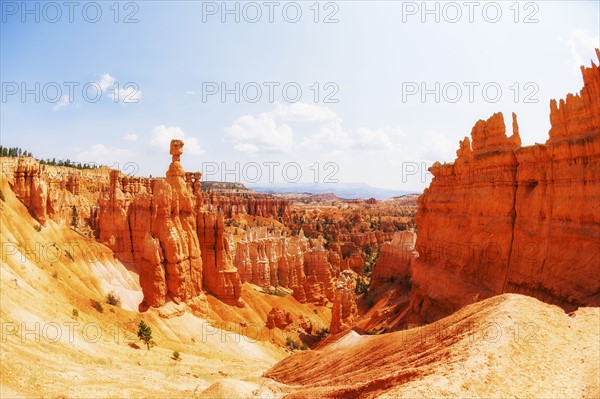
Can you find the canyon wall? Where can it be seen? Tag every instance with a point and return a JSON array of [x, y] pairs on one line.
[[506, 218], [395, 260], [50, 192], [250, 203], [271, 258]]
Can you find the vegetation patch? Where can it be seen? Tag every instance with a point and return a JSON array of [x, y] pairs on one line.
[[274, 291], [113, 299]]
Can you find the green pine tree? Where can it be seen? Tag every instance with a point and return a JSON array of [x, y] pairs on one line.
[[145, 334]]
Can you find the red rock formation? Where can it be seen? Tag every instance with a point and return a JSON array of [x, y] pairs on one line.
[[577, 116], [290, 267], [257, 256], [251, 203], [319, 286], [344, 312], [395, 259], [272, 258], [220, 276], [163, 233], [159, 225], [30, 188], [278, 318], [73, 184], [507, 219], [50, 192], [113, 222]]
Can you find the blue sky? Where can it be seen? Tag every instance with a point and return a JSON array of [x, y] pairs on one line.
[[154, 77]]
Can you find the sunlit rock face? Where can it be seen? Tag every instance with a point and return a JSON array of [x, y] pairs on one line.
[[506, 218], [160, 226], [344, 312], [395, 259]]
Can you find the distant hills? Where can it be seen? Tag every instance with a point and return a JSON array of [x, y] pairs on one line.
[[341, 190]]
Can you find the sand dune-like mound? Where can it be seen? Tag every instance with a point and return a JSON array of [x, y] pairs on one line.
[[506, 346]]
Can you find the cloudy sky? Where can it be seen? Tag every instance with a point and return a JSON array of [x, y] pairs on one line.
[[348, 91]]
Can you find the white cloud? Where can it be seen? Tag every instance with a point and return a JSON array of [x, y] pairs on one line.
[[130, 137], [381, 139], [124, 93], [101, 154], [329, 136], [268, 131], [246, 147], [62, 103], [106, 81], [162, 135], [129, 94], [436, 147], [190, 93], [263, 131], [303, 112], [582, 45]]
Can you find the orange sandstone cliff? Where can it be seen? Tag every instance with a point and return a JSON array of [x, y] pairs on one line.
[[505, 218], [396, 259], [345, 311]]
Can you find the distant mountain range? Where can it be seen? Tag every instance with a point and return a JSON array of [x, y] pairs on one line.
[[342, 190]]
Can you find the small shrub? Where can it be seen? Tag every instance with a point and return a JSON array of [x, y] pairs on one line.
[[292, 344], [69, 256], [113, 299], [323, 332], [176, 356], [295, 345], [361, 287], [37, 228], [2, 196], [75, 313], [274, 291], [55, 274], [97, 305]]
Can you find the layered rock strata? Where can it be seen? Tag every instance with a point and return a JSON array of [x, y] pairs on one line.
[[506, 218], [344, 312], [396, 259]]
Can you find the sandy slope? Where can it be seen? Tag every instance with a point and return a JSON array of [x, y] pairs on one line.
[[506, 346]]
